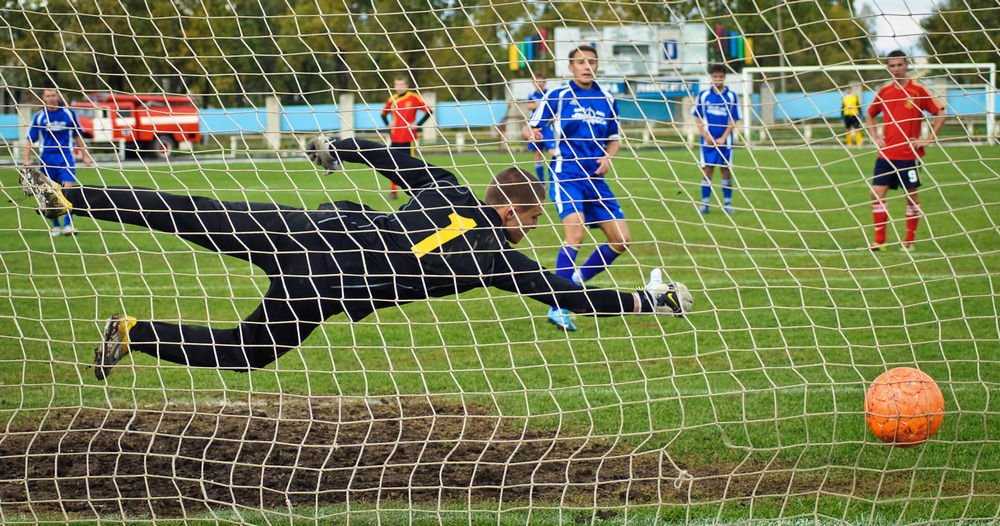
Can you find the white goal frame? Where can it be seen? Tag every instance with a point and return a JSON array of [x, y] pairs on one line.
[[991, 125]]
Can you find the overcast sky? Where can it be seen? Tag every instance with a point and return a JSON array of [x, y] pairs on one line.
[[897, 23]]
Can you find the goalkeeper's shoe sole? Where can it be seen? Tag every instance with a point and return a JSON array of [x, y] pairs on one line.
[[47, 193], [561, 319], [114, 346]]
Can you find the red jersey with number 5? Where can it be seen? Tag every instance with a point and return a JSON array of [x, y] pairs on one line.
[[404, 113], [904, 114]]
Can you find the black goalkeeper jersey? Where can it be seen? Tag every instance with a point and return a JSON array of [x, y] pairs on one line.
[[443, 242]]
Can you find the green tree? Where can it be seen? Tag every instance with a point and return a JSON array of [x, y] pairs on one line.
[[963, 31]]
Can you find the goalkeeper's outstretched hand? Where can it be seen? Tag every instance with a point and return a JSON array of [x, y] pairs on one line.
[[318, 151], [668, 298]]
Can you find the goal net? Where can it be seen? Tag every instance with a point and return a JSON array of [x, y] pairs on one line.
[[472, 407]]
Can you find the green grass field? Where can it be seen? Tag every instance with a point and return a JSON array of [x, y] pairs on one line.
[[792, 321]]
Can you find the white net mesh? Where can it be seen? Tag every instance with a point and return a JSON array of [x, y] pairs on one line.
[[472, 408]]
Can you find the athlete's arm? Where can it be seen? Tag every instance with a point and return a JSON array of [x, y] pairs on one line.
[[515, 272], [872, 128], [604, 163], [427, 115], [939, 119], [709, 140], [28, 146], [406, 171], [29, 142], [729, 131], [87, 159]]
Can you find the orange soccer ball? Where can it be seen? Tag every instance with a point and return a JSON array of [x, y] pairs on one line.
[[904, 407]]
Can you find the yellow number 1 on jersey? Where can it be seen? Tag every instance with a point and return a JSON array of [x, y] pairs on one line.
[[459, 225]]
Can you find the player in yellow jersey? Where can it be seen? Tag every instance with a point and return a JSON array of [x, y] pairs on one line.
[[850, 111]]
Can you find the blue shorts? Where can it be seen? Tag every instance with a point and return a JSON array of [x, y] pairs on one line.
[[547, 139], [589, 195], [716, 156], [896, 173], [59, 173]]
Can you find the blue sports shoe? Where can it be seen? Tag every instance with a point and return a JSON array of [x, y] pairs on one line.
[[729, 209], [561, 318], [703, 209]]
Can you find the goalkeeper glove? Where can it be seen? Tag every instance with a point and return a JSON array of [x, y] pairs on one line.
[[668, 298], [319, 151]]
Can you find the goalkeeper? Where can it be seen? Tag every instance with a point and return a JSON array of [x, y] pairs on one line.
[[343, 257]]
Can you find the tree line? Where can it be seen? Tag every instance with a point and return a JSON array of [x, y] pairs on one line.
[[237, 52]]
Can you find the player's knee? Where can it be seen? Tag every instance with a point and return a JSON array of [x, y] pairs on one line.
[[573, 239]]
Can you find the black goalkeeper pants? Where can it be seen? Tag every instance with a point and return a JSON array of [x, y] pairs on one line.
[[283, 241]]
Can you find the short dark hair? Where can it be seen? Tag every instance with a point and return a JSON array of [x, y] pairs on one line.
[[515, 186], [404, 78], [899, 53], [581, 49], [539, 74], [717, 68]]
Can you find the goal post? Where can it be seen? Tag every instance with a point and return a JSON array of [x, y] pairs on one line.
[[762, 114]]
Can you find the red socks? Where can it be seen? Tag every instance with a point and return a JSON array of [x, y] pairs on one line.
[[912, 219], [881, 216]]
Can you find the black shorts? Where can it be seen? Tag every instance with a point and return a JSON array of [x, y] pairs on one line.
[[852, 122], [896, 173]]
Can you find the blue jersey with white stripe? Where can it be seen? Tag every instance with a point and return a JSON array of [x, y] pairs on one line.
[[56, 129], [716, 110], [537, 96], [583, 122]]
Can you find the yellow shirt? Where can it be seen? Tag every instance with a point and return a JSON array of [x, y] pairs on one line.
[[850, 105]]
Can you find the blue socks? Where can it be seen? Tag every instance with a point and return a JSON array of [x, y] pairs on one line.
[[566, 262], [727, 192], [540, 170], [595, 264], [598, 262], [706, 190]]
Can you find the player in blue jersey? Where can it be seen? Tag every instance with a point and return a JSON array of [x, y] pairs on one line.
[[547, 145], [57, 128], [584, 120], [716, 112]]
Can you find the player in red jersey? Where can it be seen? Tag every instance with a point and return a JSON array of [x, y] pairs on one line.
[[902, 104], [403, 106]]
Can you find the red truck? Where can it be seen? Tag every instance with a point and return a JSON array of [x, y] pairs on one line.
[[151, 124]]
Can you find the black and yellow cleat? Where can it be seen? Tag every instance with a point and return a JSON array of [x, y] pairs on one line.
[[114, 347], [47, 193]]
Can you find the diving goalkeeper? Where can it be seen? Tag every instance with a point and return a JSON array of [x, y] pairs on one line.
[[343, 257]]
